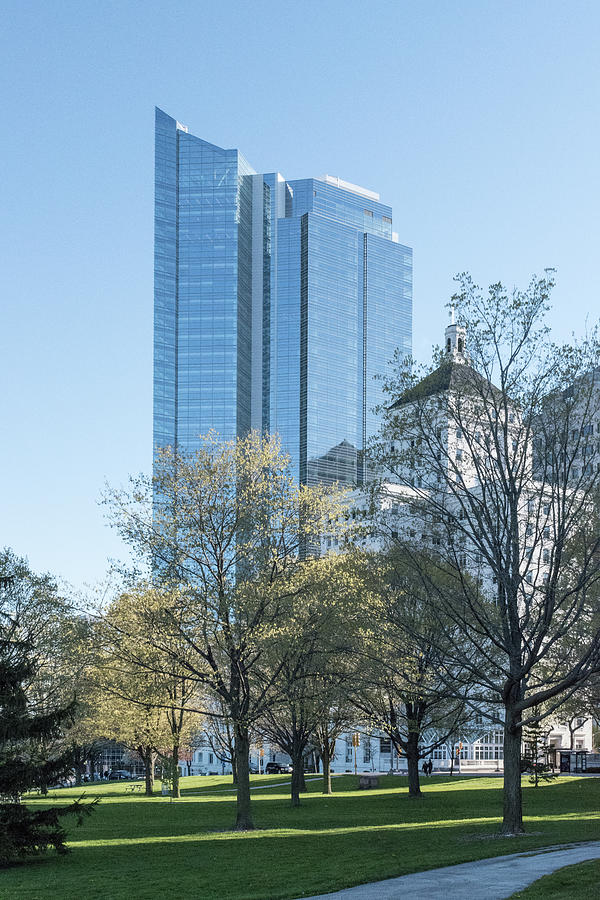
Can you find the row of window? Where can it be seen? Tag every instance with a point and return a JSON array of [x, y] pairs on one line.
[[584, 431]]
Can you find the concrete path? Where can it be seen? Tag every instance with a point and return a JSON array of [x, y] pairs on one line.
[[486, 879], [255, 787]]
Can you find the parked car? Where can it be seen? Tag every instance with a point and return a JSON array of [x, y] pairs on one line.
[[273, 768], [120, 775]]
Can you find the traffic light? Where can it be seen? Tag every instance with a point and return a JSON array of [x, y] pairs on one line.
[[356, 739]]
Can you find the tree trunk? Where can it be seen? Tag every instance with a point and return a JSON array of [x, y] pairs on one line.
[[234, 774], [243, 820], [412, 761], [326, 770], [298, 783], [78, 775], [512, 821], [303, 788], [176, 792], [148, 759]]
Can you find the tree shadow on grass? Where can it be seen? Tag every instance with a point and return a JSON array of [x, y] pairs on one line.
[[259, 864]]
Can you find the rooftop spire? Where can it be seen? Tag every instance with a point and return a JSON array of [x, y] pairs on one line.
[[455, 340]]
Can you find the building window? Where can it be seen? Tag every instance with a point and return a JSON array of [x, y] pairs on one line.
[[459, 455], [546, 556], [459, 433], [385, 746], [587, 429], [367, 750], [387, 219], [348, 748], [490, 746], [369, 212]]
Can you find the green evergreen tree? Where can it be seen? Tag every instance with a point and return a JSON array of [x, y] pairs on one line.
[[537, 753], [24, 735]]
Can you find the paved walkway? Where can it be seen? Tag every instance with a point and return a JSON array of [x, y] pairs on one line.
[[253, 787], [486, 879]]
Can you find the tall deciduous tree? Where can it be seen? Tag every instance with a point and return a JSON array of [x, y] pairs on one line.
[[139, 672], [130, 710], [315, 644], [225, 532], [494, 449], [401, 685]]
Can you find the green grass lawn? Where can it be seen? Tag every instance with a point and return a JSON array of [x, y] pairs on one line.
[[135, 847], [581, 880]]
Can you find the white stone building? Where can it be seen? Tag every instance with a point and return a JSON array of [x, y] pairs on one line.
[[458, 449]]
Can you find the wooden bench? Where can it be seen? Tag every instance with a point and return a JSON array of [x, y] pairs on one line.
[[368, 781]]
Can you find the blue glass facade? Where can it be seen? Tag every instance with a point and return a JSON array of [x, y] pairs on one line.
[[203, 288], [276, 304]]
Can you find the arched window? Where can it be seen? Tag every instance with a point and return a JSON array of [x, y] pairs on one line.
[[461, 345], [448, 346]]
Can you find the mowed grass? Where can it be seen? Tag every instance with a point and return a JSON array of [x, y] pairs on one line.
[[135, 847], [581, 880]]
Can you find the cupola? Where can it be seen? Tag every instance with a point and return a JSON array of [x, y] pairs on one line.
[[456, 341]]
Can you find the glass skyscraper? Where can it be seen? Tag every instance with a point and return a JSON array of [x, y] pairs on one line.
[[275, 304]]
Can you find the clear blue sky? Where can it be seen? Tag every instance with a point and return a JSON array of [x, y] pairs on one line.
[[477, 121]]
